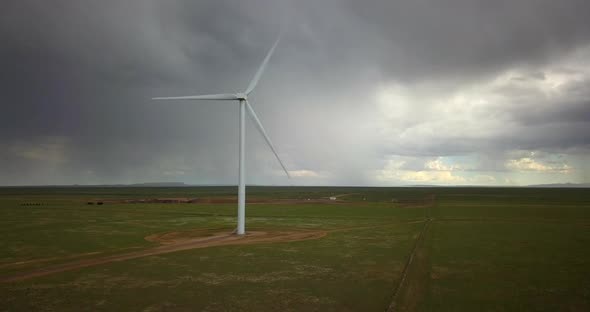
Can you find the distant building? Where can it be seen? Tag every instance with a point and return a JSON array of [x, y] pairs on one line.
[[333, 198]]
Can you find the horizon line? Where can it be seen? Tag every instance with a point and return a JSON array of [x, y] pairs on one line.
[[183, 184]]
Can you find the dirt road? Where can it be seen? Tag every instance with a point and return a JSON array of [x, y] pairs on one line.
[[172, 245]]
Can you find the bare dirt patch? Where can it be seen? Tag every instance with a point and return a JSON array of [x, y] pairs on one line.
[[175, 237], [257, 200], [214, 200], [172, 242], [185, 240], [27, 262]]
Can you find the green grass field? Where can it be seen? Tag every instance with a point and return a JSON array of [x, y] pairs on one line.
[[486, 249]]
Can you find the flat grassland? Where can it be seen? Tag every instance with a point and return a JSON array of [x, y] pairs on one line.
[[372, 249]]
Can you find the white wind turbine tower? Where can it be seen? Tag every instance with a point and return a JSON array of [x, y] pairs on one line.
[[242, 98]]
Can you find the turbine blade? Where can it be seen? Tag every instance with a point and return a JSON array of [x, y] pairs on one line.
[[261, 129], [200, 97], [254, 80]]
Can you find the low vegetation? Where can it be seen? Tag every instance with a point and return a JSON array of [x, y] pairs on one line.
[[485, 249]]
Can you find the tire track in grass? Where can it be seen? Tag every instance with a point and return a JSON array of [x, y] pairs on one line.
[[172, 245], [220, 239], [413, 284], [202, 242]]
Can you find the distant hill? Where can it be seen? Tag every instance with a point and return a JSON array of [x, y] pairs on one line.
[[149, 184], [563, 185], [159, 184]]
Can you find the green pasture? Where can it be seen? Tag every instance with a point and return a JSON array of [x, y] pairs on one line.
[[488, 249]]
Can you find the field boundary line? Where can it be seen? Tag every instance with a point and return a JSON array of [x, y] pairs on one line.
[[419, 239], [427, 221]]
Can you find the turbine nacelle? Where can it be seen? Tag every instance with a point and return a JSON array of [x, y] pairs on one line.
[[242, 96]]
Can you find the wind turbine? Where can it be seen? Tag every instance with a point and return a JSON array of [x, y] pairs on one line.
[[242, 99]]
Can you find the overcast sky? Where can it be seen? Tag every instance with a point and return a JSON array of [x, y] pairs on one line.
[[446, 92]]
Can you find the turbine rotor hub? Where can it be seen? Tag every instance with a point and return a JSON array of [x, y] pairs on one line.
[[241, 96]]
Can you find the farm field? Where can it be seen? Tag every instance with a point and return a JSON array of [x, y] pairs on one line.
[[371, 249]]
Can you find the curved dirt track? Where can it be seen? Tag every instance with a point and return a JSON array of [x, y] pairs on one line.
[[172, 242]]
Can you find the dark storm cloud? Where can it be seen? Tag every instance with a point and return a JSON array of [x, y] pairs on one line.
[[437, 38], [77, 75]]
